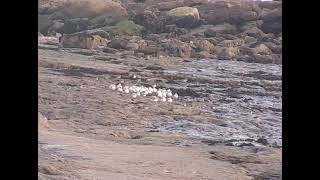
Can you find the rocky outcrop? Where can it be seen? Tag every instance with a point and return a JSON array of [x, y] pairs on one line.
[[83, 40]]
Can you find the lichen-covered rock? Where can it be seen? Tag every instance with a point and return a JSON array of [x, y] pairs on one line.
[[125, 28]]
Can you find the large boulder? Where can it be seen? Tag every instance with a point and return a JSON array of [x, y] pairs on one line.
[[183, 17], [93, 8], [83, 40], [217, 12]]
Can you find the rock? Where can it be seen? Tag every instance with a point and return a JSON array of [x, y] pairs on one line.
[[271, 15], [75, 25], [166, 6], [250, 24], [268, 59], [249, 40], [242, 11], [56, 26], [107, 11], [118, 43], [150, 21], [44, 22], [228, 53], [247, 51], [263, 50], [202, 55], [193, 2], [203, 45], [215, 13], [254, 32], [220, 29], [270, 4], [218, 12], [151, 50], [178, 48], [125, 28], [183, 17], [272, 27], [274, 48], [231, 43], [109, 50], [83, 40]]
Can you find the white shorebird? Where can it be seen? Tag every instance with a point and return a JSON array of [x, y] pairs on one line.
[[175, 96], [113, 87], [170, 100], [134, 95]]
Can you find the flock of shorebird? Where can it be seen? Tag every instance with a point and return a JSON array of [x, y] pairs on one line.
[[164, 95]]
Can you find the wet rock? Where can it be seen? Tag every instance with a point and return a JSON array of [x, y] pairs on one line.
[[215, 13], [220, 29], [83, 40]]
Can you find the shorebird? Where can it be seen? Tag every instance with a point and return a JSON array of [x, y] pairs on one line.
[[113, 87], [175, 96], [155, 98], [170, 100], [134, 95]]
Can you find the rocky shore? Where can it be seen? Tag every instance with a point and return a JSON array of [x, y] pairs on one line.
[[241, 30]]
